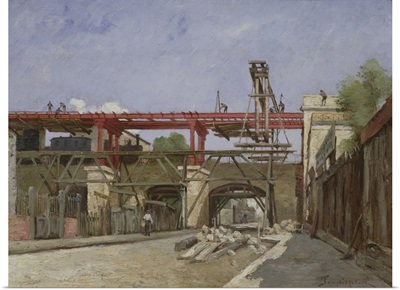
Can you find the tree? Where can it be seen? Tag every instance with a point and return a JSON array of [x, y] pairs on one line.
[[360, 95], [174, 142]]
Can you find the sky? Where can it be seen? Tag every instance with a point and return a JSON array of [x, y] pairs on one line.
[[163, 56]]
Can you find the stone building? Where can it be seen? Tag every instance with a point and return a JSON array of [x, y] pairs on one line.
[[318, 121]]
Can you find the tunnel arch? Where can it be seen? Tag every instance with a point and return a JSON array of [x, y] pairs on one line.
[[221, 195], [165, 193]]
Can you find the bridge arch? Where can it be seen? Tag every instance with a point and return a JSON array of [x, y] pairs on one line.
[[165, 193], [221, 195]]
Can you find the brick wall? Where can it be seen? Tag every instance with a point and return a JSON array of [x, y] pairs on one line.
[[18, 228]]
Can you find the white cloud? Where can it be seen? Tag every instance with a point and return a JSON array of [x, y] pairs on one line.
[[239, 30]]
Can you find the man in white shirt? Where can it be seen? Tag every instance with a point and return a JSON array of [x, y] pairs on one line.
[[148, 221]]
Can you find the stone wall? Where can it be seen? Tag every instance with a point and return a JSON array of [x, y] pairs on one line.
[[317, 122], [95, 190], [199, 215], [12, 173]]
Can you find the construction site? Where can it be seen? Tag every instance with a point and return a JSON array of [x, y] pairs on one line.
[[100, 181]]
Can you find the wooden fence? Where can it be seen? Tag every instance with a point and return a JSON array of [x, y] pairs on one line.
[[355, 202], [22, 205], [107, 221], [359, 185], [94, 224]]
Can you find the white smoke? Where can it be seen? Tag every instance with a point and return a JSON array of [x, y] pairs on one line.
[[77, 105], [108, 107]]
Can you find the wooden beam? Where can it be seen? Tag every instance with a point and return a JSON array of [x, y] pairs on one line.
[[117, 190], [263, 144], [65, 128], [221, 132]]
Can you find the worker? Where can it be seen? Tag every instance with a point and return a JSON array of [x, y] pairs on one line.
[[241, 216], [281, 107], [271, 110], [324, 96], [245, 218], [148, 221], [224, 107], [49, 107], [62, 106]]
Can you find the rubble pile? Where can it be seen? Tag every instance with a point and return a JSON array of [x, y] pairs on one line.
[[214, 243], [283, 227]]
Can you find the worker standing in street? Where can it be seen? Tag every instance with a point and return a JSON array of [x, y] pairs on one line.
[[148, 221]]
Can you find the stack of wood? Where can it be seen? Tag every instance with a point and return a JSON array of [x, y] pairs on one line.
[[214, 243]]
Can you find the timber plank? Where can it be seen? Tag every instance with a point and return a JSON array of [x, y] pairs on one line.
[[223, 251], [205, 253], [193, 251]]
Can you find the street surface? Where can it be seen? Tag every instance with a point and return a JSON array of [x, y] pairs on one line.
[[311, 263], [149, 263]]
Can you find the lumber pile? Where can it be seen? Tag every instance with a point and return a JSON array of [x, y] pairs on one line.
[[215, 243]]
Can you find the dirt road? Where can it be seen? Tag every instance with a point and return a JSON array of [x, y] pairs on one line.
[[152, 263]]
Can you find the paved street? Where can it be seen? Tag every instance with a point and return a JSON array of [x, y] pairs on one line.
[[300, 262], [311, 263]]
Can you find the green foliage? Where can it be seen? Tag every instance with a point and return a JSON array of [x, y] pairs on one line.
[[360, 95], [174, 142]]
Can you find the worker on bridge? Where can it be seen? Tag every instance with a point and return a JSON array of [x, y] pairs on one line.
[[223, 107], [281, 107], [49, 107], [63, 107], [324, 96]]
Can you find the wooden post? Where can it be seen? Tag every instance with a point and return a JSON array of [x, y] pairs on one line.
[[32, 212], [215, 227], [217, 104], [182, 191], [267, 207], [257, 108], [78, 215], [48, 216], [265, 109], [258, 230], [61, 204], [234, 214]]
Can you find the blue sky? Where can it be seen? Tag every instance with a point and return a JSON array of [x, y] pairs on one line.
[[174, 55]]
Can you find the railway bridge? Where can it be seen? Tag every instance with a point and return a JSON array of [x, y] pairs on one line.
[[54, 174], [227, 125]]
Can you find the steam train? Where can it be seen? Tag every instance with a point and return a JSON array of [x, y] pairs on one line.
[[29, 141]]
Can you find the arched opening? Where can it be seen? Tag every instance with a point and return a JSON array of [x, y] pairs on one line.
[[165, 193], [222, 197], [164, 204]]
